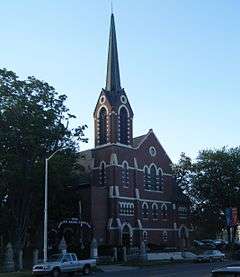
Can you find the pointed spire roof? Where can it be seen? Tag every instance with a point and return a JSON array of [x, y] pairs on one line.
[[113, 75]]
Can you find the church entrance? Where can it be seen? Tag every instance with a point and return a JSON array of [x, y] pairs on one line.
[[183, 237], [126, 236]]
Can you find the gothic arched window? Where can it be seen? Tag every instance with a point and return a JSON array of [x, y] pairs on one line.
[[145, 210], [160, 179], [123, 126], [153, 178], [164, 211], [102, 174], [154, 211], [146, 178], [125, 177], [102, 126]]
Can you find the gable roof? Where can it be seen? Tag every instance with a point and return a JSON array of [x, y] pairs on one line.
[[138, 140]]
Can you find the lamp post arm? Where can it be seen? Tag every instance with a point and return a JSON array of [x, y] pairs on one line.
[[60, 149], [45, 238]]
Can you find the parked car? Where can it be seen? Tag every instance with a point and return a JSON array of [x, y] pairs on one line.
[[227, 271], [208, 243], [220, 241], [210, 256], [198, 243], [189, 256], [204, 244], [64, 263]]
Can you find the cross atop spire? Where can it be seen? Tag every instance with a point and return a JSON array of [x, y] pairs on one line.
[[113, 75]]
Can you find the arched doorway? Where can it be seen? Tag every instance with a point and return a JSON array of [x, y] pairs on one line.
[[77, 235], [183, 236], [126, 235]]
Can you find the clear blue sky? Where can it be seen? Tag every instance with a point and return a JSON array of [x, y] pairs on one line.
[[179, 62]]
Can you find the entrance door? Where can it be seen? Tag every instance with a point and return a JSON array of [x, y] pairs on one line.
[[183, 237], [126, 236]]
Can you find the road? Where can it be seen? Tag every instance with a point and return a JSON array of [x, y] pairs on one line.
[[174, 270]]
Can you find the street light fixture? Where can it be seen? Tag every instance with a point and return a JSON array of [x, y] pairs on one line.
[[45, 239]]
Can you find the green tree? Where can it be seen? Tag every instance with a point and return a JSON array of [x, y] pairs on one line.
[[34, 122], [213, 183]]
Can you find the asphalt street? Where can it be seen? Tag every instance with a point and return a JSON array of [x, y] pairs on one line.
[[174, 270]]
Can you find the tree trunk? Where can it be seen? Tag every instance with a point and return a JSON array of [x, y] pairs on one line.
[[21, 211]]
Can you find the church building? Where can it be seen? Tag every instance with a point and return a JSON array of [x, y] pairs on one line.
[[131, 195]]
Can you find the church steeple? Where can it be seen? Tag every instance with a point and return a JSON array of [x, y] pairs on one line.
[[113, 115], [113, 75]]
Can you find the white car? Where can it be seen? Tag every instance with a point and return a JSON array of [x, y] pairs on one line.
[[227, 271], [210, 256], [63, 263]]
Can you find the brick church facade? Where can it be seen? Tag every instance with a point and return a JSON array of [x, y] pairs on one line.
[[131, 194]]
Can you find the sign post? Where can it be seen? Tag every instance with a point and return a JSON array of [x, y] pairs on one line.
[[232, 221]]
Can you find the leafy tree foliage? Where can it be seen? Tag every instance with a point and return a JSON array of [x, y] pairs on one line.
[[34, 122], [213, 183]]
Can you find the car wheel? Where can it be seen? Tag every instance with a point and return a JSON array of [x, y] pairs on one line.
[[71, 273], [56, 272], [86, 270]]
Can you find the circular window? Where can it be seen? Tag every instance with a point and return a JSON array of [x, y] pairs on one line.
[[102, 99], [152, 151], [123, 99]]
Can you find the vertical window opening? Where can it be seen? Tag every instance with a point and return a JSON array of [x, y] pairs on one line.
[[155, 213], [164, 212], [123, 126], [103, 126], [125, 175], [102, 174], [153, 177], [145, 210], [146, 178]]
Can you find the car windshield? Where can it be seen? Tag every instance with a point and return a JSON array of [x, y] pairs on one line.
[[55, 258], [209, 252]]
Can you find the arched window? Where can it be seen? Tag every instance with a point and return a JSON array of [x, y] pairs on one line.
[[123, 126], [145, 210], [164, 211], [153, 178], [102, 174], [155, 211], [125, 174], [102, 126], [160, 180], [146, 178]]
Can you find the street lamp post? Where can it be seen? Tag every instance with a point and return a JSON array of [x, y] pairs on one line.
[[45, 238]]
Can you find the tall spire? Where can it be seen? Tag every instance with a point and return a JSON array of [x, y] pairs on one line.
[[113, 75]]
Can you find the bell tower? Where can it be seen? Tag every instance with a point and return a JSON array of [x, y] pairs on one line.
[[113, 115]]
